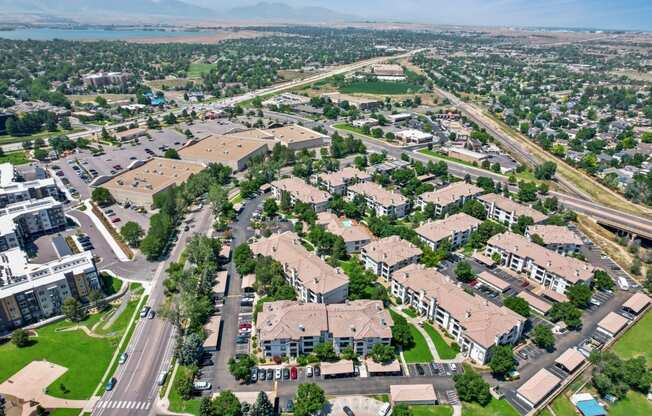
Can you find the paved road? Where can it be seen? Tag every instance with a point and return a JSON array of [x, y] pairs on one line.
[[151, 346]]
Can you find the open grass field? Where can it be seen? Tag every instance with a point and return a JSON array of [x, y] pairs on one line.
[[7, 139], [426, 410], [446, 352], [635, 404], [177, 404], [494, 408], [637, 340], [85, 357], [419, 353], [15, 158], [380, 88], [197, 70]]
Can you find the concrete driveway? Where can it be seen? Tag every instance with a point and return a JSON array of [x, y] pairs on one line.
[[360, 405]]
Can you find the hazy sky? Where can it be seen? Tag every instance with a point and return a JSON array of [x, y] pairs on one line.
[[607, 14]]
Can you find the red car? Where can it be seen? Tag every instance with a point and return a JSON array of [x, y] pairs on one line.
[[293, 373], [116, 219], [245, 325], [60, 173]]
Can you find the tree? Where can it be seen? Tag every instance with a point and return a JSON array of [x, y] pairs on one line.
[[40, 154], [522, 223], [338, 250], [101, 196], [579, 295], [471, 387], [401, 409], [502, 360], [227, 404], [131, 232], [72, 309], [262, 406], [537, 239], [241, 369], [171, 154], [383, 353], [325, 351], [567, 312], [475, 209], [602, 281], [518, 305], [270, 208], [191, 349], [543, 337], [401, 334], [244, 260], [527, 191], [546, 171], [20, 338], [206, 407], [464, 272], [309, 400], [185, 384], [286, 201], [2, 406]]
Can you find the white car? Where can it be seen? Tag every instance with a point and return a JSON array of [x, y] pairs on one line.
[[384, 409], [277, 374], [202, 385], [309, 371]]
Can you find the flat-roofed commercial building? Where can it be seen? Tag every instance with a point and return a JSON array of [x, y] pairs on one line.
[[386, 255], [312, 279], [637, 303], [297, 137], [298, 190], [413, 136], [612, 324], [412, 394], [228, 151], [256, 135], [290, 328], [355, 235], [22, 221], [538, 388], [456, 229], [138, 186], [337, 182], [13, 189], [388, 70], [379, 199], [30, 292], [453, 195], [570, 360], [556, 238], [466, 155], [474, 323], [506, 211], [548, 268]]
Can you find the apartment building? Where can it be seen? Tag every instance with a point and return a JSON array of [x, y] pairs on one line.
[[14, 189], [453, 195], [290, 328], [355, 235], [298, 190], [474, 323], [313, 280], [379, 199], [31, 292], [389, 254], [102, 79], [546, 267], [456, 229], [336, 182], [24, 220], [556, 238], [506, 211]]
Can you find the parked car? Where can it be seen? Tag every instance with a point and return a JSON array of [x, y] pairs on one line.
[[293, 373], [110, 384], [161, 377], [289, 406], [317, 371], [420, 369], [144, 311], [123, 358], [384, 409], [254, 374], [262, 374], [309, 371], [277, 374], [270, 374], [151, 314], [286, 373], [116, 219], [202, 385], [348, 411]]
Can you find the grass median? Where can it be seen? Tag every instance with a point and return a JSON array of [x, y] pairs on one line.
[[494, 408]]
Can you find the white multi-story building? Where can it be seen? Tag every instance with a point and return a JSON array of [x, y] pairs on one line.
[[556, 238], [336, 182], [379, 199], [455, 194], [313, 280], [474, 323], [385, 256], [456, 229], [548, 268], [299, 190], [506, 211], [13, 190], [23, 220], [289, 328]]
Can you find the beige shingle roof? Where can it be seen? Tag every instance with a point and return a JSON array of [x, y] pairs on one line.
[[287, 319], [359, 319], [539, 386], [555, 234], [569, 268], [482, 321], [536, 302], [345, 228], [638, 302], [302, 191], [613, 323], [444, 228], [315, 274], [451, 193], [379, 194], [342, 176], [571, 359], [412, 393], [508, 205], [391, 250]]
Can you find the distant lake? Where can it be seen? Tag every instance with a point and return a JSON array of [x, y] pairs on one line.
[[90, 34]]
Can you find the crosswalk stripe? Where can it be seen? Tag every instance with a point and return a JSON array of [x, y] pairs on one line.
[[147, 405], [130, 405]]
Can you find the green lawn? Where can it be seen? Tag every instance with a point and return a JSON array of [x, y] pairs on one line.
[[177, 404], [380, 87], [15, 158], [562, 406], [446, 352], [411, 312], [85, 357], [419, 353], [637, 340], [111, 284], [426, 410], [6, 139], [494, 408], [635, 404], [197, 70], [65, 412]]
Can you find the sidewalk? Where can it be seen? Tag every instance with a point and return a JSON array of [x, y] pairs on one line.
[[105, 233], [415, 322]]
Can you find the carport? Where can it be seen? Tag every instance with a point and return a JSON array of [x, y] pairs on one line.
[[612, 324], [412, 394], [212, 330], [493, 281], [637, 303], [537, 388], [342, 368], [392, 368], [570, 360]]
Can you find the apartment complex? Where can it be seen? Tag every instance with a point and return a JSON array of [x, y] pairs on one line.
[[313, 279], [546, 267], [102, 79], [379, 199], [24, 220], [13, 189], [228, 151], [506, 211], [556, 238], [298, 190], [389, 254], [476, 324], [336, 182], [355, 235], [453, 195], [289, 328], [456, 229], [31, 292]]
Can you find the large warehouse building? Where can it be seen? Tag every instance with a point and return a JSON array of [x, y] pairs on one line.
[[229, 151]]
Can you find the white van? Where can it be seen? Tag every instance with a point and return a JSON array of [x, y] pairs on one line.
[[622, 283], [384, 409]]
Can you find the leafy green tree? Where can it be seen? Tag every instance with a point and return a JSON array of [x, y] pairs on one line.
[[185, 384], [171, 154], [464, 272], [20, 338], [602, 281], [101, 196], [527, 191], [190, 350], [270, 208], [309, 400], [579, 295], [537, 239], [40, 154], [518, 305], [545, 171], [227, 404], [383, 353], [131, 232], [348, 354], [241, 369], [325, 352], [401, 335], [244, 260], [502, 360], [471, 387], [543, 337], [206, 407], [475, 209], [567, 312], [522, 223], [262, 406], [401, 409], [72, 309]]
